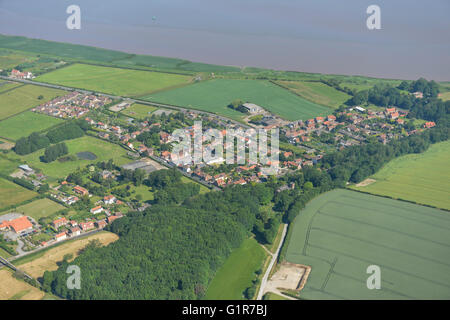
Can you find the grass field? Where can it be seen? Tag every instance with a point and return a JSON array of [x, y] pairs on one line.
[[216, 95], [26, 123], [13, 289], [7, 167], [24, 98], [423, 178], [445, 96], [237, 273], [317, 92], [48, 259], [102, 149], [123, 82], [273, 296], [6, 85], [38, 209], [139, 111], [340, 233], [11, 193]]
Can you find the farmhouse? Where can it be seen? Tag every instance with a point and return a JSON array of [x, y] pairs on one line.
[[253, 108], [20, 225]]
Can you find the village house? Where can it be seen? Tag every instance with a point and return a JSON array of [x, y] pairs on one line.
[[75, 232], [96, 210], [85, 226], [61, 236], [59, 222], [101, 224], [108, 200], [80, 190]]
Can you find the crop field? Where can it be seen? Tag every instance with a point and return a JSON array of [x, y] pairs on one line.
[[36, 265], [216, 95], [101, 149], [11, 193], [122, 82], [25, 97], [423, 178], [317, 92], [26, 123], [13, 289], [341, 233], [139, 111], [38, 209], [237, 273]]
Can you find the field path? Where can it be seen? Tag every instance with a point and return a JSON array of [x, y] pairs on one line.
[[272, 262]]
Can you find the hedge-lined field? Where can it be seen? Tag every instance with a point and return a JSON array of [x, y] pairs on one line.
[[342, 232], [11, 193], [117, 81], [57, 169], [24, 98], [317, 92], [423, 178], [216, 95], [22, 125]]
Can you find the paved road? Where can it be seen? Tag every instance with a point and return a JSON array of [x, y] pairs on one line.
[[272, 262]]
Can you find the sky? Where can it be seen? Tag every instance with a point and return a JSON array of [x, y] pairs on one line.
[[325, 36]]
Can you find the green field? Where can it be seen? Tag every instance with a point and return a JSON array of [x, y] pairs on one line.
[[341, 233], [6, 166], [237, 273], [38, 209], [24, 98], [102, 149], [26, 123], [216, 95], [139, 111], [317, 92], [423, 178], [122, 82], [6, 85], [11, 193]]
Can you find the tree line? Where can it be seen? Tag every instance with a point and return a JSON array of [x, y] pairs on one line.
[[36, 141]]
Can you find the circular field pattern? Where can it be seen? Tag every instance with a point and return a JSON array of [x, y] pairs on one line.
[[86, 155]]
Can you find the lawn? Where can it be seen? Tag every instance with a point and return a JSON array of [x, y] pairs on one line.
[[38, 209], [139, 111], [237, 273], [317, 92], [117, 81], [13, 289], [102, 149], [47, 260], [423, 178], [11, 193], [24, 98], [216, 95], [342, 232], [26, 123]]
